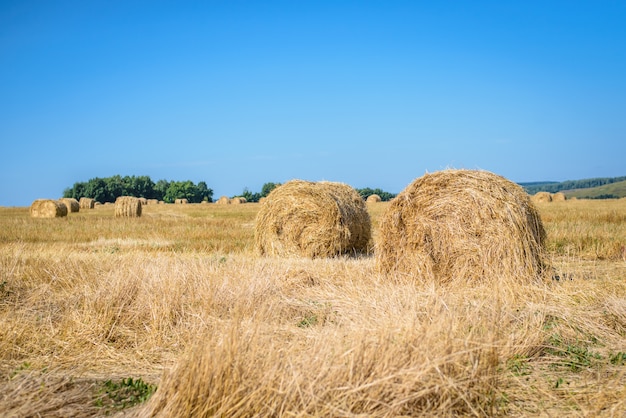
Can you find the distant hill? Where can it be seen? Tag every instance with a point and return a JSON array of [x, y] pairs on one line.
[[594, 188], [608, 191]]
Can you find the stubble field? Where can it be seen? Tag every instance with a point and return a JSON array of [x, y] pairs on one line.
[[173, 314]]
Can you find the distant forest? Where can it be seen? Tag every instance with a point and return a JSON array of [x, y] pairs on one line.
[[553, 187], [107, 189], [110, 188]]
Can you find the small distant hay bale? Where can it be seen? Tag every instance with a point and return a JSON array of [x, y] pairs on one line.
[[153, 202], [302, 218], [143, 200], [559, 197], [238, 200], [161, 202], [48, 208], [542, 197], [373, 198], [204, 202], [87, 203], [181, 201], [127, 207], [462, 225], [71, 204], [224, 200]]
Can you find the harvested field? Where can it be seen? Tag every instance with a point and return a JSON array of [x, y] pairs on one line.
[[95, 311]]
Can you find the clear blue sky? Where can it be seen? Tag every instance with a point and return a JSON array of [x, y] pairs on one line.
[[370, 93]]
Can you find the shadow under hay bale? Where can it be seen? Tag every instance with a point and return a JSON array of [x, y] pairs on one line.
[[127, 207], [463, 225], [302, 218], [47, 208]]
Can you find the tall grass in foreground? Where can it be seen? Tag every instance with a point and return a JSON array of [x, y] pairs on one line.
[[180, 301]]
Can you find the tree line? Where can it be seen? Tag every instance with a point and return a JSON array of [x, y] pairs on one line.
[[554, 187], [107, 189]]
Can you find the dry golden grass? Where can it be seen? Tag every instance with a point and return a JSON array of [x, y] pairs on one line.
[[179, 299]]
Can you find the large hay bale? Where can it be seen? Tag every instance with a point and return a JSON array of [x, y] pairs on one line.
[[47, 208], [373, 198], [181, 201], [559, 197], [465, 225], [87, 203], [127, 207], [224, 200], [542, 197], [71, 204], [302, 218]]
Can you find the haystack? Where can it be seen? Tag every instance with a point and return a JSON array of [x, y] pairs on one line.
[[127, 207], [559, 197], [181, 201], [87, 203], [465, 225], [373, 198], [542, 197], [302, 218], [71, 204], [224, 200], [47, 208], [238, 200]]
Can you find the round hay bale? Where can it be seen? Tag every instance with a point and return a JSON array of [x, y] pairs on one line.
[[224, 200], [302, 218], [238, 200], [48, 208], [71, 204], [181, 201], [127, 207], [373, 198], [153, 202], [559, 197], [465, 225], [87, 203], [542, 197], [143, 200]]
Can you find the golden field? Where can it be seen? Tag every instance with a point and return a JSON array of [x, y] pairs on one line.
[[97, 312]]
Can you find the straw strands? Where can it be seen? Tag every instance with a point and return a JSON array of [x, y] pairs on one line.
[[465, 225], [47, 208], [127, 207], [302, 218]]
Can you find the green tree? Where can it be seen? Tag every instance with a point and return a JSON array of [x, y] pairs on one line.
[[367, 192], [203, 192], [267, 188]]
